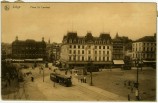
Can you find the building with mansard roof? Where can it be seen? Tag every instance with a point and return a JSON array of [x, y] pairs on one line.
[[28, 49], [80, 50]]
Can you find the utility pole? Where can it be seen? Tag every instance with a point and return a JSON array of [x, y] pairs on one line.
[[43, 74], [137, 84], [91, 67]]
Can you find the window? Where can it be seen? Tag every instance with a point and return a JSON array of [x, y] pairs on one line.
[[74, 51], [99, 52], [147, 49], [107, 52], [82, 46], [78, 58], [74, 58], [89, 58], [107, 47], [82, 58], [103, 58], [103, 47], [107, 58], [79, 46], [95, 58], [69, 58], [103, 52], [89, 52], [82, 51], [78, 51], [99, 47], [95, 52], [69, 51], [70, 41], [99, 58], [70, 46], [74, 46], [95, 47]]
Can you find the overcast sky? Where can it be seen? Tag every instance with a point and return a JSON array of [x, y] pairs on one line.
[[134, 20]]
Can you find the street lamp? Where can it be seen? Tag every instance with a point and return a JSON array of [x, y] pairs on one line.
[[137, 84], [43, 73], [91, 67]]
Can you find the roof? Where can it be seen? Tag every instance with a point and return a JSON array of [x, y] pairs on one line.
[[28, 41], [147, 39], [87, 38]]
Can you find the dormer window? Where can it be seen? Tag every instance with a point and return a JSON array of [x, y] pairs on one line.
[[70, 41]]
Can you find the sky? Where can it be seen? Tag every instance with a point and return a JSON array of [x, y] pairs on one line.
[[32, 21]]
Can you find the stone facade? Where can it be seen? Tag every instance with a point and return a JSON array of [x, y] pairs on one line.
[[79, 50]]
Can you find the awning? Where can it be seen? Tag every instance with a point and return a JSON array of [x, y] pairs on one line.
[[118, 62], [146, 61]]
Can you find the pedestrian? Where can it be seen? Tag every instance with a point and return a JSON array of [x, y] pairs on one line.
[[128, 97], [65, 72], [129, 83], [131, 89], [32, 78], [49, 68], [81, 80], [84, 79]]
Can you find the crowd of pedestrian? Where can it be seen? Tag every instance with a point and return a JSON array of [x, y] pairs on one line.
[[130, 85]]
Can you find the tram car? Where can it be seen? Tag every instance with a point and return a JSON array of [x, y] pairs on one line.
[[61, 79]]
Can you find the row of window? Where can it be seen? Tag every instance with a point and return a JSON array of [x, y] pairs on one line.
[[89, 52], [28, 54], [144, 55], [88, 47], [82, 58], [144, 44], [145, 49], [83, 41]]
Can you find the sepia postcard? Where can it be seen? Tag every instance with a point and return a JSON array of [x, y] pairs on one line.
[[78, 51]]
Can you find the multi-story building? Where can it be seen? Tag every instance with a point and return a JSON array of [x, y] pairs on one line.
[[6, 49], [144, 49], [80, 50], [53, 51], [29, 49], [118, 48], [118, 52]]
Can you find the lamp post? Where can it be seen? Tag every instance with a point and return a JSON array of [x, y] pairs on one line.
[[43, 74], [137, 84], [91, 67]]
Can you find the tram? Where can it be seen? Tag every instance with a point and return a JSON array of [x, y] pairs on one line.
[[61, 79]]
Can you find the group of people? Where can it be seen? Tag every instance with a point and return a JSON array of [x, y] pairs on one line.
[[82, 79], [131, 85]]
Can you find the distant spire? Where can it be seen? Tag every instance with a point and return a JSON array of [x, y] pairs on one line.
[[42, 38], [117, 35], [16, 38], [49, 41]]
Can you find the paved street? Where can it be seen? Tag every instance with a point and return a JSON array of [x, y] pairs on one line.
[[108, 86], [39, 90]]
